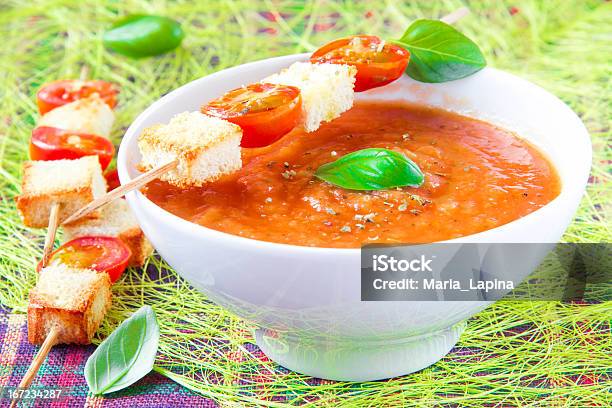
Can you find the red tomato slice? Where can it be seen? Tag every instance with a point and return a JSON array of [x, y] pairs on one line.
[[265, 112], [378, 63], [59, 93], [49, 143], [112, 179], [99, 253]]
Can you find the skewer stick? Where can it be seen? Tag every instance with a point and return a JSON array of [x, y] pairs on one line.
[[455, 16], [84, 73], [120, 191], [51, 230], [37, 362]]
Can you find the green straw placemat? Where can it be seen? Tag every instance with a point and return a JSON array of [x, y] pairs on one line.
[[512, 354]]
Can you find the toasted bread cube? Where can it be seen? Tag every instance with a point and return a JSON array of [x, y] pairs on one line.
[[206, 148], [71, 183], [70, 299], [327, 90], [116, 220], [88, 115]]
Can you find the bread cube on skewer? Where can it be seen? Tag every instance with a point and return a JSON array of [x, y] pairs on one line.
[[89, 115], [115, 219], [327, 90], [70, 300], [192, 149], [204, 146], [70, 183]]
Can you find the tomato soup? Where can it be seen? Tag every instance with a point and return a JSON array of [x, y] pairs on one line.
[[477, 177]]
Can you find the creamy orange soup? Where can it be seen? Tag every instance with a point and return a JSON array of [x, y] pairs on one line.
[[477, 177]]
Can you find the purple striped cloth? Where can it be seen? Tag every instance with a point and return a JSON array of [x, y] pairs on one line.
[[64, 369]]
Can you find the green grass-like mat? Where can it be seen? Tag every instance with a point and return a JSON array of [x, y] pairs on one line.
[[512, 354]]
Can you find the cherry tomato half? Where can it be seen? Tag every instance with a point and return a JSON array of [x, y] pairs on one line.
[[112, 179], [265, 112], [99, 253], [378, 63], [59, 93], [49, 143]]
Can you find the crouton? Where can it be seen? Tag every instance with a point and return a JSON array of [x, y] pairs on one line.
[[70, 183], [327, 90], [71, 300], [88, 115], [116, 219], [206, 148]]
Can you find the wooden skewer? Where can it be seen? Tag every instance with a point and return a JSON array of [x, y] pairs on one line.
[[456, 15], [120, 191], [37, 362], [84, 73], [51, 230]]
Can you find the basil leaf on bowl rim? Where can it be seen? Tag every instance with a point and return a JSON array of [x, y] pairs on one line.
[[371, 169], [439, 53], [126, 355]]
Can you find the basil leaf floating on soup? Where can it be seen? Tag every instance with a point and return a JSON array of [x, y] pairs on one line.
[[371, 169], [138, 35], [440, 53]]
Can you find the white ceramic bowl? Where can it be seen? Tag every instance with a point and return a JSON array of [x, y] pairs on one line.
[[306, 301]]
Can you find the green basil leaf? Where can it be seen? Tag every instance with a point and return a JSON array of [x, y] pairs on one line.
[[140, 35], [126, 355], [439, 53], [371, 169]]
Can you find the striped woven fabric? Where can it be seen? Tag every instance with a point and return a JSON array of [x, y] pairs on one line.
[[63, 369]]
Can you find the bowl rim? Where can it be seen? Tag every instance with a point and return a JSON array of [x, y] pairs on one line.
[[186, 226]]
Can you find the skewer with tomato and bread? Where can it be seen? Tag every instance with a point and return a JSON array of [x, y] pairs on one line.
[[69, 150], [199, 147], [73, 131]]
